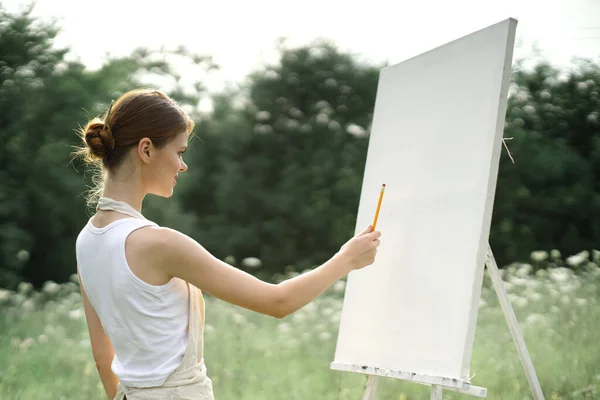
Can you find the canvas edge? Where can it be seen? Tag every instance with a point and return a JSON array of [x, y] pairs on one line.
[[492, 181]]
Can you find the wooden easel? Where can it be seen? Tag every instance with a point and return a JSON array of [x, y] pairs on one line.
[[438, 384]]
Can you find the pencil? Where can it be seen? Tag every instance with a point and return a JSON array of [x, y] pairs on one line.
[[378, 206]]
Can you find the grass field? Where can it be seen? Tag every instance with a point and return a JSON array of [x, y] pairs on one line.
[[45, 351]]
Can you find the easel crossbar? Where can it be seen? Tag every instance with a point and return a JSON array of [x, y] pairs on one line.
[[407, 376]]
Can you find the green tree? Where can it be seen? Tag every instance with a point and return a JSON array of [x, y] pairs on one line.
[[279, 177], [44, 99], [550, 197]]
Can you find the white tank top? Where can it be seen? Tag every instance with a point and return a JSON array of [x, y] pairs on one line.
[[146, 324]]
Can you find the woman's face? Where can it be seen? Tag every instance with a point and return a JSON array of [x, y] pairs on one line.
[[161, 173]]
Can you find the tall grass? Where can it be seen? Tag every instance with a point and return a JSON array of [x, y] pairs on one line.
[[45, 351]]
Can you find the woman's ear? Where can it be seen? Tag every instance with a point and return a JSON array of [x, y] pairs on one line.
[[145, 149]]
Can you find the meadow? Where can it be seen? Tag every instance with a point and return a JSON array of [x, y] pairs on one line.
[[45, 350]]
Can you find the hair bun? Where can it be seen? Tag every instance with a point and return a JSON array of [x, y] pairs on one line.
[[99, 139]]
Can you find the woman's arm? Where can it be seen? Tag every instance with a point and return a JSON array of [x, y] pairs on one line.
[[102, 348], [183, 257]]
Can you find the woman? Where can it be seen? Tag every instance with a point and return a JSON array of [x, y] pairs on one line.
[[141, 283]]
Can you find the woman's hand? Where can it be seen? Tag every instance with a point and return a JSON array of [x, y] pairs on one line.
[[362, 248]]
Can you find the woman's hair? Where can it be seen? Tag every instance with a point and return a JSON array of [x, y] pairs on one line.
[[138, 114]]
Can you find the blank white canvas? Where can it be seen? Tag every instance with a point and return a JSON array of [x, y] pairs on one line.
[[435, 142]]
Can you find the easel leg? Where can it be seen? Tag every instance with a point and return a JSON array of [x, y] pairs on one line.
[[513, 325], [436, 392], [371, 388]]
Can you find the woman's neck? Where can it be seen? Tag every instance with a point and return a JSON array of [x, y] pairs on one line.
[[129, 192]]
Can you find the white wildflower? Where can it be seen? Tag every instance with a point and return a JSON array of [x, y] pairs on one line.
[[327, 311], [305, 128], [229, 260], [320, 327], [570, 286], [596, 256], [331, 83], [263, 129], [541, 273], [345, 89], [334, 126], [295, 113], [25, 287], [322, 104], [23, 255], [536, 319], [545, 95], [272, 75], [534, 284], [43, 338], [555, 254], [76, 314], [554, 309], [311, 308], [251, 262], [535, 296], [519, 281], [28, 305], [518, 301], [18, 298], [524, 270], [62, 309], [209, 328], [51, 287], [482, 303], [238, 318], [299, 317], [74, 278], [578, 259], [317, 53], [292, 274], [356, 130], [263, 116], [560, 274], [580, 301], [539, 256], [4, 294], [564, 299], [322, 119], [591, 266], [339, 286], [284, 327], [324, 336], [292, 124]]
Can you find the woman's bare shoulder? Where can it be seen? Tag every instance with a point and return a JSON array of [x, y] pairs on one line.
[[154, 239], [148, 251]]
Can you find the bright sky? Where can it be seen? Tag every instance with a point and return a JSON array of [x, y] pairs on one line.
[[241, 35]]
